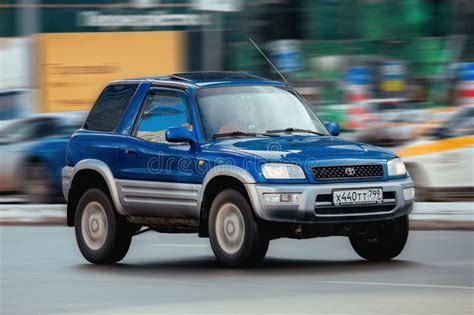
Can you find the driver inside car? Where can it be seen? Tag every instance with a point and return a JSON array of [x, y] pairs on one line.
[[236, 118]]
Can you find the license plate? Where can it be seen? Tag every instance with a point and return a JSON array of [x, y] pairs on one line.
[[357, 196]]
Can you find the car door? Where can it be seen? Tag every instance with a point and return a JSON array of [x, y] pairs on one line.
[[9, 139], [451, 166], [462, 155], [22, 135], [157, 178]]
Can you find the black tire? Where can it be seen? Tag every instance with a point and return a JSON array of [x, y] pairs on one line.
[[37, 184], [383, 241], [254, 242], [118, 235]]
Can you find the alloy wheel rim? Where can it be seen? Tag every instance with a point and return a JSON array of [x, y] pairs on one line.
[[230, 228], [94, 225]]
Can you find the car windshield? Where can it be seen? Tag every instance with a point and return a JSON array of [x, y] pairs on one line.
[[461, 123], [31, 129], [255, 111]]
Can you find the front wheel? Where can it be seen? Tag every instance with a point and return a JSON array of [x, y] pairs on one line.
[[384, 241], [102, 235], [237, 240]]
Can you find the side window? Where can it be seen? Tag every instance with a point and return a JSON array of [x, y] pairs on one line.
[[44, 128], [109, 107], [17, 132], [162, 109], [462, 124], [465, 126], [28, 130]]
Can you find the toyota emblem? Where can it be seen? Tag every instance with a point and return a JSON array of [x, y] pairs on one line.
[[350, 171]]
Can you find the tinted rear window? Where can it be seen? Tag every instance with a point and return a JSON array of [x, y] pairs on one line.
[[109, 107]]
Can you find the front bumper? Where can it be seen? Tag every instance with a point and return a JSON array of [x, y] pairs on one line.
[[304, 211]]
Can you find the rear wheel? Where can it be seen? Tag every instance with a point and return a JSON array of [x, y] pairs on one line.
[[236, 238], [384, 241], [37, 184], [102, 235]]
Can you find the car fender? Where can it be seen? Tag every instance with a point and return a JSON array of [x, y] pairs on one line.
[[236, 172], [100, 167], [51, 154]]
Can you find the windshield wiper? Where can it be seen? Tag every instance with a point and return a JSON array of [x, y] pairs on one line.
[[240, 134], [290, 130]]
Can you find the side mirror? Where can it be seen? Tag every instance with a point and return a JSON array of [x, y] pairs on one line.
[[179, 134], [333, 128]]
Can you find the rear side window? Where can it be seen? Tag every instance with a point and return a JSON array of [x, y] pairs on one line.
[[109, 107]]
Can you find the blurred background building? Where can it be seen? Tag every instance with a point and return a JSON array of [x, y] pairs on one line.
[[336, 51], [389, 71]]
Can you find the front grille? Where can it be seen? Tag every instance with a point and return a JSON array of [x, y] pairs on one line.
[[345, 172]]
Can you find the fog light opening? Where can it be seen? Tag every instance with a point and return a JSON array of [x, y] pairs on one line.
[[281, 198], [409, 193]]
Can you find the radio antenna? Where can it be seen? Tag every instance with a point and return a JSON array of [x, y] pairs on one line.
[[264, 56]]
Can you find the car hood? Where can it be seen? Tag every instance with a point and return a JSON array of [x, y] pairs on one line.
[[302, 148]]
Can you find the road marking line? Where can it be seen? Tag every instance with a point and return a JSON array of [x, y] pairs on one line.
[[414, 285]]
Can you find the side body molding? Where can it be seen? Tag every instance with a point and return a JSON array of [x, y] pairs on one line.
[[159, 199], [100, 167], [238, 173]]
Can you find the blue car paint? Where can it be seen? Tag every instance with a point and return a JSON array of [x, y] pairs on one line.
[[306, 151], [179, 134], [126, 124], [246, 153], [50, 153]]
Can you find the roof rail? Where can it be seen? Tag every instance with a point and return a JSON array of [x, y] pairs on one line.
[[177, 77], [213, 75]]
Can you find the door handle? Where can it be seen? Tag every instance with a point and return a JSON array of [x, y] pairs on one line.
[[130, 151]]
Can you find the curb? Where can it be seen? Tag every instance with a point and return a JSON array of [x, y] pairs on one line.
[[425, 216], [441, 225]]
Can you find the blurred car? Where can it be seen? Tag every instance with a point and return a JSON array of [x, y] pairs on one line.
[[13, 104], [361, 114], [32, 154], [434, 118], [392, 123], [388, 133], [442, 167]]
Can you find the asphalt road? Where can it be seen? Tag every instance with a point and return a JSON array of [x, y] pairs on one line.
[[42, 272]]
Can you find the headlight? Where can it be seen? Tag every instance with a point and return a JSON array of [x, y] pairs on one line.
[[396, 167], [282, 171]]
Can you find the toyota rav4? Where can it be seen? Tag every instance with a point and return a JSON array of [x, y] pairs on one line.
[[230, 156]]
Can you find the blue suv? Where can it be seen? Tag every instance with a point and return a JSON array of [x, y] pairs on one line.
[[230, 156]]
